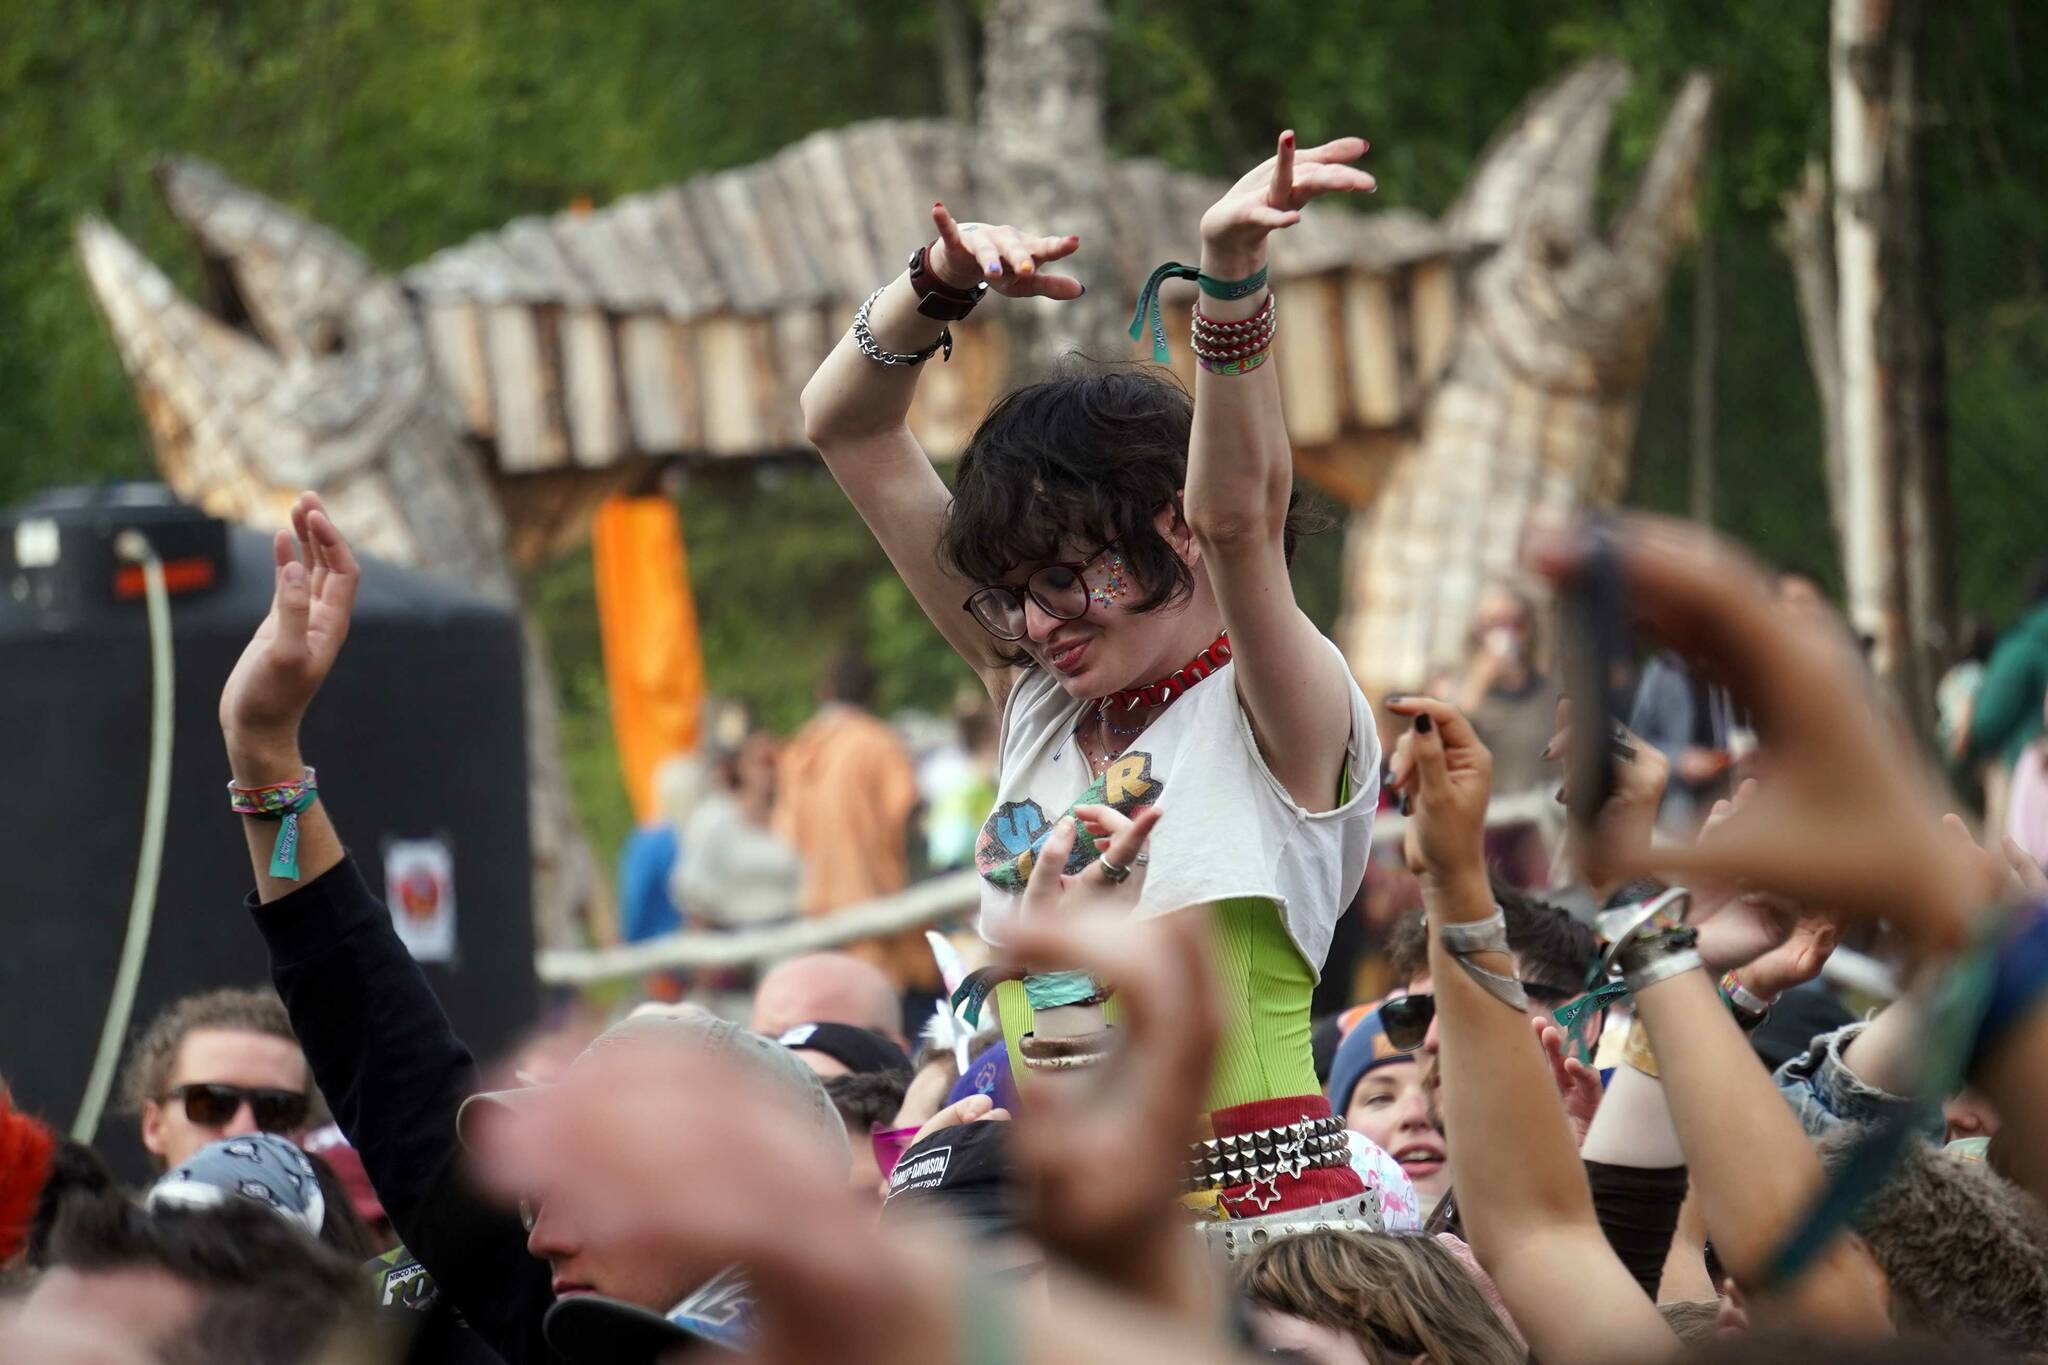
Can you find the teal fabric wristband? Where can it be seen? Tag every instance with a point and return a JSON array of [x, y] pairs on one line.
[[1148, 310], [1051, 990]]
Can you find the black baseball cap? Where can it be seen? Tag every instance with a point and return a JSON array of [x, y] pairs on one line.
[[859, 1050], [715, 1318]]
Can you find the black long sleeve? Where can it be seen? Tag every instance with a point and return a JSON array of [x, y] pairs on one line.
[[394, 1073]]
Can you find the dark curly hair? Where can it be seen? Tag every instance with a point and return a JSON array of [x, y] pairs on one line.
[[1089, 455]]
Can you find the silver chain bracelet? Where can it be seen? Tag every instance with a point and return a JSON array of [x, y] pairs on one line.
[[864, 337]]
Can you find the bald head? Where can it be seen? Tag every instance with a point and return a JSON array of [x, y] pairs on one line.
[[827, 988]]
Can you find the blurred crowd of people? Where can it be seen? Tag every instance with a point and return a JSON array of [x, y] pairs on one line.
[[1599, 1102]]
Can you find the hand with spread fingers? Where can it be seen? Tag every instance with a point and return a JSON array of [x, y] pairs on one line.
[[1445, 777], [1103, 1154], [1010, 260], [1846, 819], [1272, 194]]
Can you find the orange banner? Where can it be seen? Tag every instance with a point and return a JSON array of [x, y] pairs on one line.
[[653, 660]]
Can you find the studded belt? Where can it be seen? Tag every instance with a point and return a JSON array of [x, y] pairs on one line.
[[1267, 1153]]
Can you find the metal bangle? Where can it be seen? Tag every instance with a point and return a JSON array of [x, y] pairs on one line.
[[1662, 968], [1625, 926], [1489, 935], [864, 337], [1506, 989]]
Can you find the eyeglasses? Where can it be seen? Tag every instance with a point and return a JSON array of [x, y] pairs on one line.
[[1057, 588], [214, 1106], [1406, 1018]]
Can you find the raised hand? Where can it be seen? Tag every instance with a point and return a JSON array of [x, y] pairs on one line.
[[289, 657], [1446, 777], [1273, 193], [1578, 1084], [968, 253], [1794, 962]]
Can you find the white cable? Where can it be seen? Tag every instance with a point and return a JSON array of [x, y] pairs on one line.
[[133, 546]]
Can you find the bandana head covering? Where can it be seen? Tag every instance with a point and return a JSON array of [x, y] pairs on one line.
[[262, 1167]]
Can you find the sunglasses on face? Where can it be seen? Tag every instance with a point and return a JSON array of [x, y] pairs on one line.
[[1406, 1018], [215, 1106], [1059, 589]]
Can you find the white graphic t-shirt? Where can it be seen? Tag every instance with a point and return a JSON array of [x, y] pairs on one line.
[[1230, 829]]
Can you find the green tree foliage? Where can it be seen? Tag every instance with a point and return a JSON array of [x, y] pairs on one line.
[[408, 124]]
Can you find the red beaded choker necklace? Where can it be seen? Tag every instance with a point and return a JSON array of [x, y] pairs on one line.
[[1163, 690]]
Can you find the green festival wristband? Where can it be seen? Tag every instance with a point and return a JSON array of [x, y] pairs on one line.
[[1148, 299]]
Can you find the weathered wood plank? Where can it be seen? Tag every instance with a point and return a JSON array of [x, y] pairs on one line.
[[731, 385], [518, 387], [1372, 346], [590, 388], [1306, 352], [456, 341], [647, 361], [684, 240], [1433, 317], [953, 398]]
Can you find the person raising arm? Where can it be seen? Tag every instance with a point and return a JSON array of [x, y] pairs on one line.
[[1112, 561]]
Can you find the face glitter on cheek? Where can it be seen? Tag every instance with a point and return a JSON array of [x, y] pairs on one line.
[[1115, 584]]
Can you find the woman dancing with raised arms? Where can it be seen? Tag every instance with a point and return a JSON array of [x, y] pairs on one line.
[[1113, 562]]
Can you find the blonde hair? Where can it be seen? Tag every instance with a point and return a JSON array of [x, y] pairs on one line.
[[1397, 1296]]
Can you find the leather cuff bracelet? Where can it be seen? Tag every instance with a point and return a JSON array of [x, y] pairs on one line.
[[935, 298]]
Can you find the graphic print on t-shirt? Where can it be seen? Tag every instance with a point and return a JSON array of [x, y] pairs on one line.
[[1012, 836]]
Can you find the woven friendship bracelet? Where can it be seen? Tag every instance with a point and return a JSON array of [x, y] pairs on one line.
[[1234, 367], [283, 802]]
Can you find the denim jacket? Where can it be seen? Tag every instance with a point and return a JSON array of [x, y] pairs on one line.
[[1827, 1095]]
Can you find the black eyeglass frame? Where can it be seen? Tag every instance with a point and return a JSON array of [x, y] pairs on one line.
[[275, 1110], [1005, 590]]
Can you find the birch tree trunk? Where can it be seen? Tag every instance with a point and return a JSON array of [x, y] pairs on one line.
[[1895, 517], [1860, 115]]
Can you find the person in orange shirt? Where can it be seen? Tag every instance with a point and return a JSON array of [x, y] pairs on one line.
[[846, 795]]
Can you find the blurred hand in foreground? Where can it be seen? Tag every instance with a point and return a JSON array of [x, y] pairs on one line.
[[1846, 819]]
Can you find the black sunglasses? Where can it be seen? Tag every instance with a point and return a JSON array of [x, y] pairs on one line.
[[1057, 588], [1406, 1018], [214, 1106]]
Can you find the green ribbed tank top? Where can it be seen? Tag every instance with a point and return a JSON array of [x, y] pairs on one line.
[[1266, 986]]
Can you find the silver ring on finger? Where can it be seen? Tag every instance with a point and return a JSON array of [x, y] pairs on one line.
[[1112, 873], [1141, 860]]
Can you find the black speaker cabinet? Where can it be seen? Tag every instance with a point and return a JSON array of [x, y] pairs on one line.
[[419, 738]]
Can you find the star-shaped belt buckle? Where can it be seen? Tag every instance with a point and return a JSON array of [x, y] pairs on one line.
[[1272, 1196]]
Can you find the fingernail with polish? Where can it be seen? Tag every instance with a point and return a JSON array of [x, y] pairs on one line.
[[1423, 723]]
